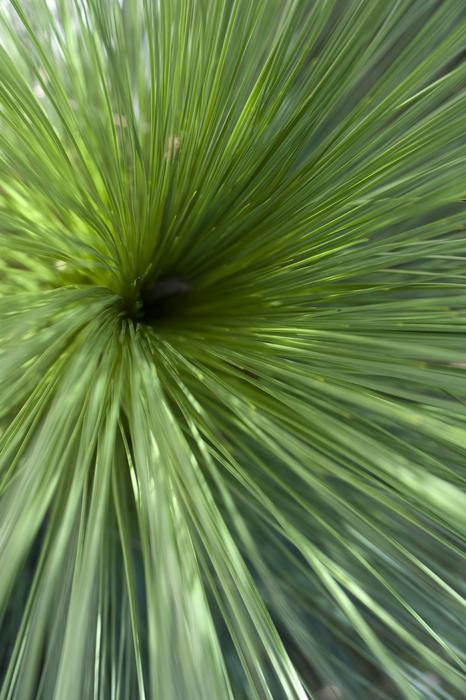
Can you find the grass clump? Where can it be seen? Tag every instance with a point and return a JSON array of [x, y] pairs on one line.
[[232, 349]]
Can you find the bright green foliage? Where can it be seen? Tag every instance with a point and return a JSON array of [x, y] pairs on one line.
[[259, 492]]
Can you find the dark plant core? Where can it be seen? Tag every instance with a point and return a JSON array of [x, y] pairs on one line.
[[161, 300]]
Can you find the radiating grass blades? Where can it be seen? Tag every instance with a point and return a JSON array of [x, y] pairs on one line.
[[232, 349]]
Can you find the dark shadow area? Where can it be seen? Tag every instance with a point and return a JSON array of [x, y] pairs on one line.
[[162, 299]]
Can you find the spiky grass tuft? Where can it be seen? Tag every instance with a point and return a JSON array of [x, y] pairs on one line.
[[232, 349]]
